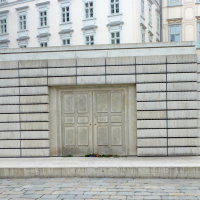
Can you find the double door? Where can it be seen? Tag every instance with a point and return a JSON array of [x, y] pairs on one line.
[[93, 122]]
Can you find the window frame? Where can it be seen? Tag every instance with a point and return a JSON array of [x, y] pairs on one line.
[[42, 11], [89, 42], [110, 7], [4, 24], [22, 21], [42, 43], [65, 13], [88, 8], [66, 39], [170, 25], [142, 8], [174, 4], [115, 38], [150, 13]]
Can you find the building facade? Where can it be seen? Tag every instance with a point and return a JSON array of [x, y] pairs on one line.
[[40, 23], [181, 20]]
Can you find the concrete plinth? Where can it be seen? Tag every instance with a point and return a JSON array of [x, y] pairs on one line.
[[130, 167]]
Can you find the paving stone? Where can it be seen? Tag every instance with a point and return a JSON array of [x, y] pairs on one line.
[[53, 196]]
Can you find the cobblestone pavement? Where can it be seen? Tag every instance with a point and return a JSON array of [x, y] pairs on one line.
[[99, 188]]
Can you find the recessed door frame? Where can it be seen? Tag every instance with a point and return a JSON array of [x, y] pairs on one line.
[[56, 123]]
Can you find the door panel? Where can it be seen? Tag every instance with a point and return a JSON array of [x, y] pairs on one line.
[[109, 122], [77, 123]]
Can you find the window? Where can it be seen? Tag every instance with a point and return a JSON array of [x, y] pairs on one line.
[[89, 10], [142, 8], [150, 38], [150, 14], [143, 35], [174, 2], [89, 40], [3, 1], [3, 27], [66, 42], [43, 18], [22, 22], [175, 33], [115, 38], [23, 46], [114, 6], [43, 44], [65, 14]]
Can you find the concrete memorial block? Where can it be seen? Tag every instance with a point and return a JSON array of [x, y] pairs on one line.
[[155, 142], [14, 135], [40, 108], [163, 107], [35, 135], [151, 115], [151, 87], [35, 152], [152, 151], [35, 144], [183, 133], [34, 99], [186, 86], [151, 133]]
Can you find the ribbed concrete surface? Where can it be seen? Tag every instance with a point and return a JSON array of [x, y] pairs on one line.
[[130, 167]]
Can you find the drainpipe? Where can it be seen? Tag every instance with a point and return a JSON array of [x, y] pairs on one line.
[[161, 22]]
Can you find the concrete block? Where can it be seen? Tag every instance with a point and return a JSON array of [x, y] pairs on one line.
[[187, 86], [13, 135], [182, 58], [9, 144], [54, 72], [159, 96], [33, 81], [151, 78], [9, 82], [182, 67], [82, 80], [34, 108], [9, 91], [62, 63], [91, 62], [9, 126], [9, 118], [35, 117], [151, 124], [151, 60], [177, 114], [152, 142], [188, 123], [35, 135], [149, 133], [35, 144], [37, 72], [33, 90], [120, 69], [33, 64], [120, 79], [151, 115], [54, 81], [183, 133], [183, 142], [151, 87], [9, 109], [8, 65], [35, 126], [182, 95], [34, 99], [152, 151], [9, 100], [186, 151], [182, 105], [91, 71], [9, 74], [184, 77], [151, 105], [153, 69], [120, 61], [9, 152], [35, 152]]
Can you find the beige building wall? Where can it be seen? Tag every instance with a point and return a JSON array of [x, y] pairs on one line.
[[186, 14]]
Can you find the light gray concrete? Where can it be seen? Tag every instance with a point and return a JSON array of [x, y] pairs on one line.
[[130, 167]]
